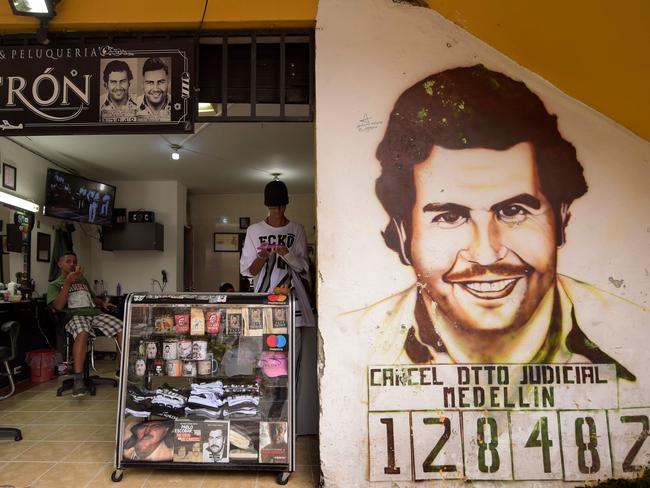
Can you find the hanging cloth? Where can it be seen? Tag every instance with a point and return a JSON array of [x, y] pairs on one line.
[[62, 246], [308, 319]]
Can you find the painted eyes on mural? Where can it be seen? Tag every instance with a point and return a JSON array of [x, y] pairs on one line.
[[512, 214], [449, 220]]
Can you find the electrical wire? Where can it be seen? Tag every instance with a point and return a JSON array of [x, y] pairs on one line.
[[38, 324], [41, 155], [205, 8]]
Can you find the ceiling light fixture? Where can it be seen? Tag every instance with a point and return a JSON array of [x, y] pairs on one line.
[[175, 155], [34, 8], [276, 176], [41, 9], [15, 201]]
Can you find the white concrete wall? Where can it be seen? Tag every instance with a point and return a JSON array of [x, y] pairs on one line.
[[134, 270], [31, 171], [181, 222], [368, 53], [220, 213]]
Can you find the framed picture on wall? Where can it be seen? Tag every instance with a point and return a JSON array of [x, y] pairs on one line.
[[226, 242], [8, 176], [43, 247]]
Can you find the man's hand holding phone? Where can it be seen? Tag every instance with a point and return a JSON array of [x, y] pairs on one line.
[[75, 275], [271, 248]]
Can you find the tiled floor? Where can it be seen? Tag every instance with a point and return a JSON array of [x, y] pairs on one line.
[[69, 443]]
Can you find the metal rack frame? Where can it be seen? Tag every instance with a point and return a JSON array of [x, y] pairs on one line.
[[205, 299]]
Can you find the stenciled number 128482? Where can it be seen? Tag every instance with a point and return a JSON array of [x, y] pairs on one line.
[[506, 445]]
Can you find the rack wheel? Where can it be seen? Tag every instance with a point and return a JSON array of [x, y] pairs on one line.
[[283, 478], [117, 475]]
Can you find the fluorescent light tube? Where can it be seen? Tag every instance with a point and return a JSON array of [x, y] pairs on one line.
[[15, 201]]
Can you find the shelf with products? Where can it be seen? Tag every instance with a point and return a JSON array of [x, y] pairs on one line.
[[207, 382]]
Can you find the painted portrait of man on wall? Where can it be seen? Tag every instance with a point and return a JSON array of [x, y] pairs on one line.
[[478, 184]]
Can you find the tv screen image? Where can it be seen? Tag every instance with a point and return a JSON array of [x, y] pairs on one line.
[[72, 197]]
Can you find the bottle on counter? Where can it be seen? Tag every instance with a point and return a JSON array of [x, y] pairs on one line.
[[118, 290]]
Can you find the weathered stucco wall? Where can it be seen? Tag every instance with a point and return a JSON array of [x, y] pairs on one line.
[[504, 281]]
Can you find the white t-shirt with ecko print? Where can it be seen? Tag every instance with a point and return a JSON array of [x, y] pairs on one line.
[[277, 269]]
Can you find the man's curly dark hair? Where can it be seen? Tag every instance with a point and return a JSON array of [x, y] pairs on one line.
[[463, 108], [117, 66]]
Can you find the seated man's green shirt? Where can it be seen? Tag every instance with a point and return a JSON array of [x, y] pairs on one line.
[[81, 299]]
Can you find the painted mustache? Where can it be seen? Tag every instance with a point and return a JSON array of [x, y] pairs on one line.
[[502, 270]]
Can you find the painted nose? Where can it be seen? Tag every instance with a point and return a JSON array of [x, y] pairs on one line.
[[486, 247]]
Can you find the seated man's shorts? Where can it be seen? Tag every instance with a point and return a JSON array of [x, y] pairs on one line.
[[108, 324]]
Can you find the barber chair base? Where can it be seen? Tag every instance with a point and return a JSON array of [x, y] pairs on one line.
[[18, 435], [90, 382]]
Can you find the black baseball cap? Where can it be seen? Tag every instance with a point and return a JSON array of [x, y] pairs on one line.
[[276, 194]]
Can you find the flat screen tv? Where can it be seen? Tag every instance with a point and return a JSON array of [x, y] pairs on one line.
[[72, 197]]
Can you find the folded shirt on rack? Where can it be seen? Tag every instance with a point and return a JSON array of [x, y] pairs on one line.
[[138, 401], [205, 399], [167, 396], [199, 405], [167, 403], [215, 387], [137, 413], [242, 399], [233, 386], [167, 412], [241, 413], [203, 413], [241, 392]]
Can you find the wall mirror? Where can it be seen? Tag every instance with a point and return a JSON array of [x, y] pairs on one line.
[[16, 246]]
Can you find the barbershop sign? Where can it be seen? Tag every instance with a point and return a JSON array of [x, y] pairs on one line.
[[502, 422], [139, 88]]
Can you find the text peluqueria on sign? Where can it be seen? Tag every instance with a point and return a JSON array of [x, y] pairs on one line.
[[502, 422]]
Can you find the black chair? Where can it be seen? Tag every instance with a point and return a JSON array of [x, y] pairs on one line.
[[7, 354], [60, 319]]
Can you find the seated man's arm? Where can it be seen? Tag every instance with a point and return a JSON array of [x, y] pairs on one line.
[[104, 304], [58, 297]]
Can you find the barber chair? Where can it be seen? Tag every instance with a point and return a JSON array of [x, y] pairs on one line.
[[7, 354], [60, 319]]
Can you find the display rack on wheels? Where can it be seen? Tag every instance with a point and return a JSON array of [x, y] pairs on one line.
[[207, 383]]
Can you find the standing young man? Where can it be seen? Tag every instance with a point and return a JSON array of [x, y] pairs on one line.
[[275, 246], [274, 249], [71, 293]]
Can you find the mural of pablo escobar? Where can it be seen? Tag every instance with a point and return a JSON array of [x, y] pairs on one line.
[[478, 184]]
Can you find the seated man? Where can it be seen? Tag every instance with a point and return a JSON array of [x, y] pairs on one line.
[[71, 293]]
